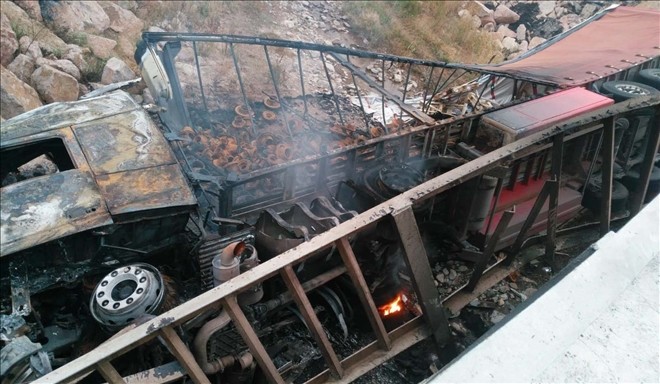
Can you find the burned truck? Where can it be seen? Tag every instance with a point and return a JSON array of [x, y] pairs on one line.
[[280, 221]]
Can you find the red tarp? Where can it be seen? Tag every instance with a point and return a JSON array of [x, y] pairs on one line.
[[622, 38]]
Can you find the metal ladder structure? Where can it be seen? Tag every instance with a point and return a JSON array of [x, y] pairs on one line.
[[433, 323]]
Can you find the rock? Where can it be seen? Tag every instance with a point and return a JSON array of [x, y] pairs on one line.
[[101, 46], [546, 7], [116, 70], [22, 67], [476, 21], [445, 271], [122, 20], [569, 21], [138, 98], [76, 16], [500, 302], [479, 9], [548, 28], [521, 33], [16, 96], [30, 47], [529, 291], [510, 44], [54, 85], [82, 89], [504, 15], [513, 285], [464, 13], [462, 268], [504, 297], [504, 31], [397, 78], [8, 42], [66, 66], [588, 10], [75, 55], [452, 274], [523, 47], [496, 317], [559, 11], [440, 278], [31, 7], [535, 41], [48, 41]]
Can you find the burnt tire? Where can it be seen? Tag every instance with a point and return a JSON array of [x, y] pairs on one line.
[[631, 180], [593, 196], [650, 77], [625, 90]]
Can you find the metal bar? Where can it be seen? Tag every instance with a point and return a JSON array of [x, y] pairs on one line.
[[240, 83], [592, 165], [199, 76], [405, 90], [382, 96], [427, 190], [529, 221], [332, 89], [363, 292], [418, 264], [109, 372], [414, 112], [357, 92], [277, 91], [435, 90], [313, 323], [481, 93], [553, 198], [302, 81], [498, 192], [607, 173], [480, 265], [183, 355], [257, 349], [639, 193], [529, 166], [426, 88]]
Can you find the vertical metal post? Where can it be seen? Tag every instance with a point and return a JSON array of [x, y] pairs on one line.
[[312, 322], [332, 89], [277, 91], [240, 83], [405, 90], [607, 175], [426, 88], [382, 96], [553, 201], [496, 199], [199, 76], [418, 263], [357, 91], [353, 270], [435, 89], [476, 104], [302, 80], [639, 194], [480, 265]]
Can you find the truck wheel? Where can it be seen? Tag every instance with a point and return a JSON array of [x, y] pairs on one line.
[[631, 180], [650, 77], [593, 195], [624, 90]]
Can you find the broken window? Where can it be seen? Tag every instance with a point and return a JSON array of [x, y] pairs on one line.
[[33, 160]]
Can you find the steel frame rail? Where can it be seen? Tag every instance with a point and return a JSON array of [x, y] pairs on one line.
[[399, 209]]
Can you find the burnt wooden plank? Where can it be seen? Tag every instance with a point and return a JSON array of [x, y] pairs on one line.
[[363, 293], [183, 355], [251, 339], [109, 372], [313, 323], [422, 278]]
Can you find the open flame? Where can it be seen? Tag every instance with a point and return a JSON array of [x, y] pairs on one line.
[[392, 307]]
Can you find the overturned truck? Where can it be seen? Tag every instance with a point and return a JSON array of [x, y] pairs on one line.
[[278, 222]]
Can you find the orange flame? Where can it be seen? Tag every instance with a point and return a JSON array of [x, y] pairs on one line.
[[393, 307]]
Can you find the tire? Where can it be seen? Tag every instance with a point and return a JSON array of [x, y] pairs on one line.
[[631, 180], [593, 195], [649, 77], [625, 90]]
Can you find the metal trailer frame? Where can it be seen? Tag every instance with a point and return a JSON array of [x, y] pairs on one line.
[[432, 323]]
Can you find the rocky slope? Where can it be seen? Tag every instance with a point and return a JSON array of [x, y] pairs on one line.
[[60, 50]]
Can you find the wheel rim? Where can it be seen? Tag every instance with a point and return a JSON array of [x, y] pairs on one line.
[[632, 89]]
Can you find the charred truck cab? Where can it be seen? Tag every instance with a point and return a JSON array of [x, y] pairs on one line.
[[249, 228]]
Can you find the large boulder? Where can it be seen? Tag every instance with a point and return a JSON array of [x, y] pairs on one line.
[[505, 31], [63, 65], [116, 70], [8, 42], [75, 16], [510, 44], [48, 41], [31, 7], [504, 15], [122, 20], [75, 55], [22, 67], [546, 7], [16, 96], [101, 47], [30, 47], [521, 32], [54, 85]]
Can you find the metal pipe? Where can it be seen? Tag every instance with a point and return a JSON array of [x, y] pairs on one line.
[[332, 89], [357, 91], [199, 77], [240, 83], [202, 339], [405, 90], [302, 80], [382, 96]]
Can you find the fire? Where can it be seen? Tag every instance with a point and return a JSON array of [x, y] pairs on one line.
[[392, 307]]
